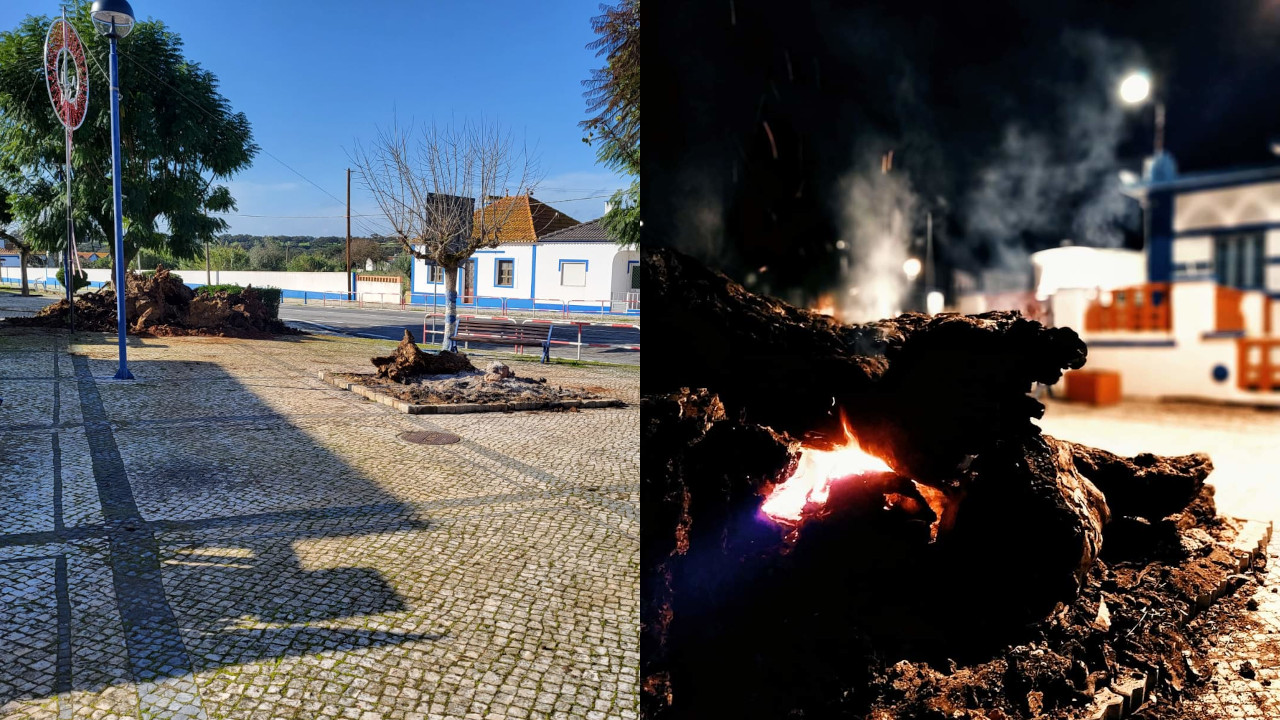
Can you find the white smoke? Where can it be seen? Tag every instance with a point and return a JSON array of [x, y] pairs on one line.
[[878, 210], [1033, 175]]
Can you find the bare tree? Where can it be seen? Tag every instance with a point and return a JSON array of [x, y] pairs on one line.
[[428, 184]]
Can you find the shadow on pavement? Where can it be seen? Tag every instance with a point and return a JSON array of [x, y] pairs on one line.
[[204, 508]]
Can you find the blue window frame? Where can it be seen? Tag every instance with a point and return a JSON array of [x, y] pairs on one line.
[[573, 276], [504, 272], [435, 274]]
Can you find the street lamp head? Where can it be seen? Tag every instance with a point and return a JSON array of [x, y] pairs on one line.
[[911, 268], [112, 18], [1135, 88]]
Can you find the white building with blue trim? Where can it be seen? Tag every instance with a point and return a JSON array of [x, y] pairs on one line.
[[1200, 316], [547, 260]]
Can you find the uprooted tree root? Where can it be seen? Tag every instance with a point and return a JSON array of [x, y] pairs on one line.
[[994, 573], [408, 361], [160, 304]]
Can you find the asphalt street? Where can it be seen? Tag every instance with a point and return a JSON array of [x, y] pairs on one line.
[[391, 324]]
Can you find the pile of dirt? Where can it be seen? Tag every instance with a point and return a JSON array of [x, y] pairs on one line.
[[994, 573], [496, 384], [408, 362], [159, 304]]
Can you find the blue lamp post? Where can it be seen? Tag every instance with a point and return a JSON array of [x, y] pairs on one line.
[[114, 20]]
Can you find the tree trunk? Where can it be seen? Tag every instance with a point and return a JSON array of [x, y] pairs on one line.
[[981, 528], [23, 253], [450, 307]]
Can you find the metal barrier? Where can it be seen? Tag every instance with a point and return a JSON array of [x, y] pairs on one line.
[[1258, 364], [579, 344], [551, 306]]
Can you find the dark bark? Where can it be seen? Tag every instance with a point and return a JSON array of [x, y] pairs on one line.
[[944, 401], [408, 362], [24, 255], [923, 392]]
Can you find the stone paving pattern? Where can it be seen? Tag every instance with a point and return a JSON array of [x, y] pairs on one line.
[[229, 537]]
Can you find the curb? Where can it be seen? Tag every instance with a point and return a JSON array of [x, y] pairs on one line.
[[461, 408], [1126, 696]]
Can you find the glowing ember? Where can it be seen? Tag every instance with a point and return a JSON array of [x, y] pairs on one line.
[[826, 305], [815, 471]]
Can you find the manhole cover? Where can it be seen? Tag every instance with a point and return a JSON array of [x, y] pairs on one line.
[[425, 437]]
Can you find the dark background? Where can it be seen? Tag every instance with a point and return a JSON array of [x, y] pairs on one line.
[[1003, 117]]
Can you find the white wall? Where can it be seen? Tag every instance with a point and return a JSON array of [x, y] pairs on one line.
[[603, 275], [1087, 267], [300, 281], [1227, 207], [1184, 370], [1068, 307], [486, 262]]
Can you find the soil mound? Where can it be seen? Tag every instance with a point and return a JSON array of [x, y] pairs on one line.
[[160, 304], [408, 362]]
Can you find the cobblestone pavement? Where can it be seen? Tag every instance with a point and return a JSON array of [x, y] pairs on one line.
[[1245, 446], [12, 304], [228, 537]]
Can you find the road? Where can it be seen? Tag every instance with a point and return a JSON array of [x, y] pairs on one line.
[[391, 324]]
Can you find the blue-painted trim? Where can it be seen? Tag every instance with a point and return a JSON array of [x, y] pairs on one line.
[[1273, 260], [1222, 334], [630, 263], [488, 252], [413, 274], [1213, 180], [1130, 343], [1195, 278], [570, 260], [1231, 229], [496, 262], [1188, 267], [533, 274]]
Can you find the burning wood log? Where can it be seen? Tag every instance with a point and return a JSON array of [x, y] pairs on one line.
[[878, 487]]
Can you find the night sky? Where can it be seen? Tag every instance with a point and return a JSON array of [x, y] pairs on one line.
[[1002, 116]]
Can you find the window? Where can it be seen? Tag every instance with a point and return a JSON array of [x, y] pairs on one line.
[[1238, 260], [573, 273], [506, 273], [635, 277], [435, 273]]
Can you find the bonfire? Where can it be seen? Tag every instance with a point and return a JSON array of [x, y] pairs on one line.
[[865, 521]]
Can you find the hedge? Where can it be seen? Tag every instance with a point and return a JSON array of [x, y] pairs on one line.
[[270, 296]]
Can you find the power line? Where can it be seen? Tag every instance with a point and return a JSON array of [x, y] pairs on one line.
[[213, 115], [291, 169]]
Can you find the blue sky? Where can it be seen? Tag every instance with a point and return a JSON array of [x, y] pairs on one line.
[[313, 77]]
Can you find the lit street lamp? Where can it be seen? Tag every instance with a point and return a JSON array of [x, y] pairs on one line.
[[1135, 89], [912, 268], [114, 20]]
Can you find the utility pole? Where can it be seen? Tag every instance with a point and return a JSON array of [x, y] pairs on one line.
[[928, 254], [350, 290]]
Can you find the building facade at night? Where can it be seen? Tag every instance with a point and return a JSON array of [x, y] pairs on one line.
[[1199, 316]]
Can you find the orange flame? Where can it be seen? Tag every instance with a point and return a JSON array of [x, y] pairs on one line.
[[826, 305], [810, 484]]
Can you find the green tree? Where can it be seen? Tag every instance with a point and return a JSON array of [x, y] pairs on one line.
[[179, 138], [267, 255], [311, 263], [228, 257], [613, 96], [363, 249]]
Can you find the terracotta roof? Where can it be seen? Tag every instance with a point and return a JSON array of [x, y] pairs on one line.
[[590, 231], [528, 221]]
